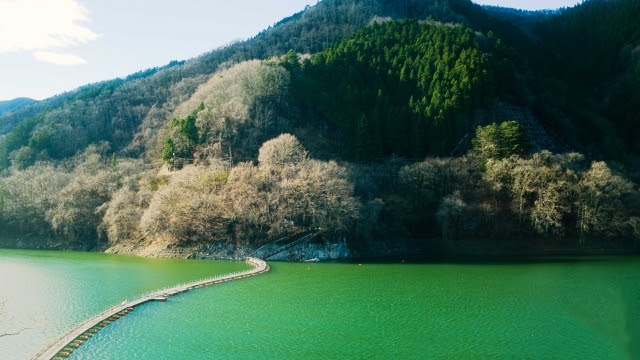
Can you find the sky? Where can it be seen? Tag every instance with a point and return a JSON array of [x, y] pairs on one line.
[[530, 4], [51, 46]]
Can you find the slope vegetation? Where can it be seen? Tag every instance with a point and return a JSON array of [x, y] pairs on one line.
[[10, 105], [330, 121]]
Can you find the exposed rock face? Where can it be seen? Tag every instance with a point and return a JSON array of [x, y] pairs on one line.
[[315, 250], [32, 243], [312, 251], [224, 251], [322, 251]]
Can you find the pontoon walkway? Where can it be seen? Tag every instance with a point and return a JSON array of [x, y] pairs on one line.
[[74, 337]]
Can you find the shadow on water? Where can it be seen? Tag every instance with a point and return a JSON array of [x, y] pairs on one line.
[[631, 299], [489, 260]]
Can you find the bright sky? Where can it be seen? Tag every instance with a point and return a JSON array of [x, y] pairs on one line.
[[51, 46]]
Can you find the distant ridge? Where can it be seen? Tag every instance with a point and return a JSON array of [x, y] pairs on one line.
[[10, 105]]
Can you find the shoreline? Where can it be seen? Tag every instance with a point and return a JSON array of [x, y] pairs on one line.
[[545, 255], [324, 250]]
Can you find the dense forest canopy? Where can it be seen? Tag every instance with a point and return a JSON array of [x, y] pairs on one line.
[[260, 139], [592, 75], [398, 87]]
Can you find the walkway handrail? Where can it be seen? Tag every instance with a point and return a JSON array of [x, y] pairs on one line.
[[50, 351]]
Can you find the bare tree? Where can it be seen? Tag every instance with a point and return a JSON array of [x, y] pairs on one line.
[[600, 202], [285, 149]]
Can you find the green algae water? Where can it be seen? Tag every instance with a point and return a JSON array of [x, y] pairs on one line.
[[586, 308], [46, 293]]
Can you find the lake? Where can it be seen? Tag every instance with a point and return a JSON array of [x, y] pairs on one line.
[[587, 308]]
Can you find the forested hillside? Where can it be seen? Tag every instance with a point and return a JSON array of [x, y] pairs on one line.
[[333, 119], [117, 111], [399, 87], [10, 105], [590, 91]]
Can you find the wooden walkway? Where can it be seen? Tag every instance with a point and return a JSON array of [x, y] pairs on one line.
[[74, 337]]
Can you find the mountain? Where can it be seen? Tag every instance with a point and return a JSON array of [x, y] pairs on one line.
[[10, 105], [586, 74], [344, 118], [116, 111]]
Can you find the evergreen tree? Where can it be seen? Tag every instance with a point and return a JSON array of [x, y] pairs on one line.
[[501, 141], [168, 151], [394, 78], [114, 162], [183, 137]]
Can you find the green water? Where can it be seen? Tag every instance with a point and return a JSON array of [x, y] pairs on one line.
[[49, 292], [575, 308]]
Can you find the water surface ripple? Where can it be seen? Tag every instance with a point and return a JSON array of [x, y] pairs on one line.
[[581, 308], [53, 291]]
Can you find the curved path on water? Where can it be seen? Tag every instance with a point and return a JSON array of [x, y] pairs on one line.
[[64, 345]]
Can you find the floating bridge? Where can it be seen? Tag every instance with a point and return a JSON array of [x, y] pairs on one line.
[[64, 346]]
